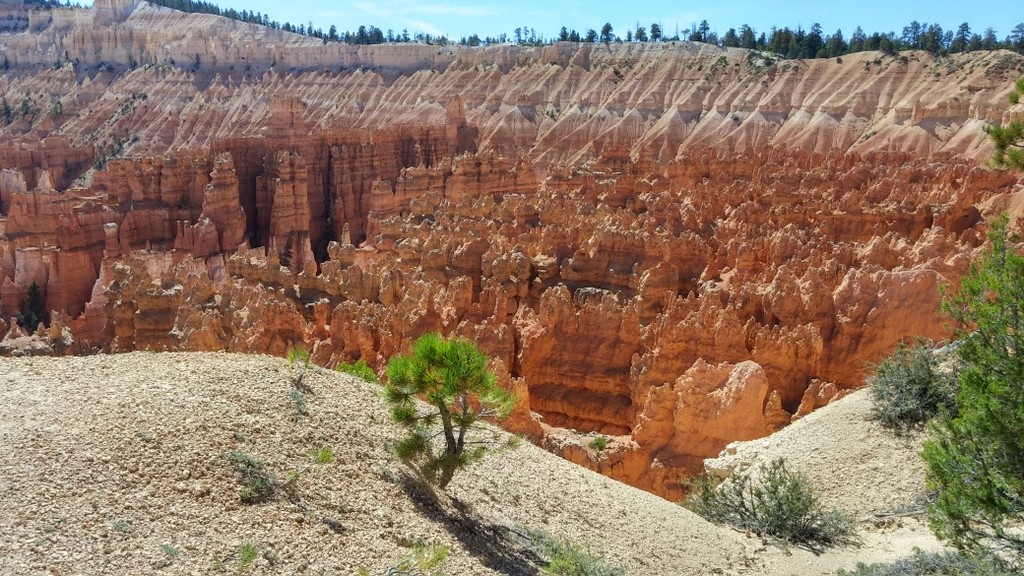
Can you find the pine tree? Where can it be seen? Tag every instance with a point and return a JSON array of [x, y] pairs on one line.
[[1009, 139], [976, 458], [655, 32], [452, 376], [6, 110], [32, 309]]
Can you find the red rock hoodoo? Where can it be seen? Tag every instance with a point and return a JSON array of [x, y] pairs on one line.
[[670, 244]]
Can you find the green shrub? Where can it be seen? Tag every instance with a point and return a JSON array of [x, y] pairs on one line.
[[298, 357], [291, 484], [360, 370], [780, 503], [170, 551], [423, 561], [930, 564], [598, 443], [568, 559], [323, 456], [247, 554], [907, 390], [426, 557], [258, 484], [299, 402], [170, 554]]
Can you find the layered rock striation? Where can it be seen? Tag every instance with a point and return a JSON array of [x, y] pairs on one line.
[[671, 245]]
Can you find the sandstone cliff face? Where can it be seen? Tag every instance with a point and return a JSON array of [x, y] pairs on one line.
[[675, 246]]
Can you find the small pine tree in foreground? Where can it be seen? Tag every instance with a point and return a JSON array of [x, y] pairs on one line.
[[452, 376]]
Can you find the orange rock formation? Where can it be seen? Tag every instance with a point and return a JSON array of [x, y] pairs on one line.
[[673, 245]]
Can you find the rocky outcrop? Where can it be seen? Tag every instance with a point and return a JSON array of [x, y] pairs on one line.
[[109, 12], [51, 162], [674, 267]]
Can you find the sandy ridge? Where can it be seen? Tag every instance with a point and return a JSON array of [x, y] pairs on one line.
[[115, 465]]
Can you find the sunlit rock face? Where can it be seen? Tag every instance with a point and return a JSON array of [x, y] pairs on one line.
[[672, 245]]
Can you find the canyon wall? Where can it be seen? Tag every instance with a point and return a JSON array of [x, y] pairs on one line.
[[669, 244]]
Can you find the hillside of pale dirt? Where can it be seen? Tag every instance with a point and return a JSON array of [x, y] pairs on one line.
[[116, 464], [853, 463]]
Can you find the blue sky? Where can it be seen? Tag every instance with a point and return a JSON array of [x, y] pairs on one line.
[[458, 18]]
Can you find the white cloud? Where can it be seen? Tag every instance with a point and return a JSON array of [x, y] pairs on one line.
[[371, 8], [457, 10], [400, 7], [422, 17], [423, 26]]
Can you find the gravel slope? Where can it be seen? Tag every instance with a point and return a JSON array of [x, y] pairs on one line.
[[857, 467], [117, 465]]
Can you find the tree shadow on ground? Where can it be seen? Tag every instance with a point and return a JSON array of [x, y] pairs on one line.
[[500, 548]]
